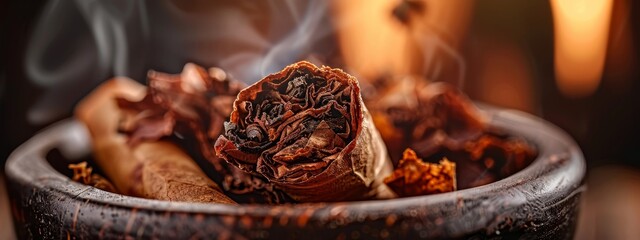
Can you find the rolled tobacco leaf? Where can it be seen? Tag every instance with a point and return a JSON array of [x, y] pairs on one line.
[[195, 104], [437, 121], [413, 177], [150, 169], [306, 130], [82, 173]]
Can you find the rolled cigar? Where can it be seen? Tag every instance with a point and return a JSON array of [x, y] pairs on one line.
[[150, 169], [306, 130]]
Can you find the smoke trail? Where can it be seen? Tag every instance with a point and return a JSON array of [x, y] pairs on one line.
[[78, 44]]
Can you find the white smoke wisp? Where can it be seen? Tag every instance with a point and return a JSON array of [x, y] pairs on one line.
[[438, 54], [78, 44]]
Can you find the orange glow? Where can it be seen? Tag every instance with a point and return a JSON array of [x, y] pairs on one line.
[[371, 41], [375, 44], [581, 29], [502, 75]]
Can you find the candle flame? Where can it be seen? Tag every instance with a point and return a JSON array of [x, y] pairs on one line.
[[581, 29]]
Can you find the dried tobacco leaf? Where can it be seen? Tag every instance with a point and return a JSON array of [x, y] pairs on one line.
[[413, 177], [306, 130], [145, 120], [82, 173], [437, 121], [425, 117], [500, 155], [196, 103]]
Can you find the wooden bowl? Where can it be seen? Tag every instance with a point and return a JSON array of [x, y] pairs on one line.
[[541, 201]]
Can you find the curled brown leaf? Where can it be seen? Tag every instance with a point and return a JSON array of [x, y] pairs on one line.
[[306, 130]]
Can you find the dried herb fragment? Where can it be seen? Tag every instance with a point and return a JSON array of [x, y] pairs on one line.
[[413, 177], [82, 173], [306, 130]]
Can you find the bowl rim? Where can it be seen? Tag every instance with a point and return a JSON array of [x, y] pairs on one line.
[[557, 173]]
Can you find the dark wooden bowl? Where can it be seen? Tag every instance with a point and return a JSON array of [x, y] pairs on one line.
[[539, 202]]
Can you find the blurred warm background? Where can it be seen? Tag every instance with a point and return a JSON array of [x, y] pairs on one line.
[[571, 62]]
